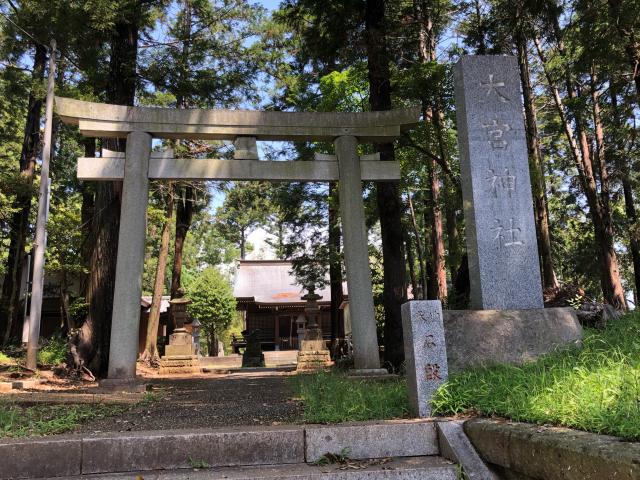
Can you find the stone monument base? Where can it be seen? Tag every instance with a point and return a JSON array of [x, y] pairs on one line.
[[486, 337], [128, 385], [253, 361], [312, 356], [179, 364]]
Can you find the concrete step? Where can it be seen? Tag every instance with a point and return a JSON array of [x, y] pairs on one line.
[[408, 468], [104, 453]]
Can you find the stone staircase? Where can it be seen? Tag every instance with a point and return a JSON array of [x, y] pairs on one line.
[[389, 450]]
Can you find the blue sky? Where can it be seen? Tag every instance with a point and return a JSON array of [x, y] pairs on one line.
[[270, 4]]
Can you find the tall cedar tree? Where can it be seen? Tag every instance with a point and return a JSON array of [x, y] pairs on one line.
[[92, 342], [388, 193], [19, 226]]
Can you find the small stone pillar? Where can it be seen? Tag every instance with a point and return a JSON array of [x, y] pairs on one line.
[[123, 348], [179, 355], [425, 352], [252, 356], [313, 354], [366, 356]]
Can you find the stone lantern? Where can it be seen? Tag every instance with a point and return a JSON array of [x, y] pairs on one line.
[[313, 354], [180, 341]]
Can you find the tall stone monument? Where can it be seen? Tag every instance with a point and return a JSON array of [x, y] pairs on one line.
[[498, 205]]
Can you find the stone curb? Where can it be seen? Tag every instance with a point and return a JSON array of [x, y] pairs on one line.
[[68, 455], [54, 456], [456, 446], [553, 453], [181, 449], [410, 438]]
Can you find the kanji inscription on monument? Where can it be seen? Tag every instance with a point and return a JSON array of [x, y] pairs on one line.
[[425, 352], [498, 205]]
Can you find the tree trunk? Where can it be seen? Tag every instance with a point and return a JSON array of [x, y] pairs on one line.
[[87, 210], [418, 294], [184, 217], [91, 346], [388, 194], [66, 325], [335, 265], [600, 214], [549, 279], [627, 31], [19, 225], [150, 354], [452, 203], [437, 287], [411, 262], [625, 177]]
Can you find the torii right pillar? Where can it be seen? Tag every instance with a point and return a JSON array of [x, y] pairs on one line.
[[500, 228], [356, 257]]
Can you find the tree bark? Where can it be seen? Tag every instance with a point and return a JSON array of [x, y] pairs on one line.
[[411, 262], [600, 214], [543, 234], [627, 31], [387, 193], [150, 354], [91, 346], [418, 294], [452, 203], [437, 286], [622, 165], [335, 265], [19, 225], [184, 217]]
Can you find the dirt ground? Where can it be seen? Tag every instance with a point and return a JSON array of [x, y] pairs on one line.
[[207, 402]]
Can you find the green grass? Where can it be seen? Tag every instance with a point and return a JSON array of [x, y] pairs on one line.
[[596, 389], [334, 398], [6, 360], [24, 421]]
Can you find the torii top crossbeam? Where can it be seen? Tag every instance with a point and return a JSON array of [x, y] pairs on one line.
[[105, 120]]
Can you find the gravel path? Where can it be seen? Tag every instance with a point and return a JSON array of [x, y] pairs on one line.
[[229, 400]]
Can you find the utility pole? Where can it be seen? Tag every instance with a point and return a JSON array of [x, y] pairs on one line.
[[41, 222]]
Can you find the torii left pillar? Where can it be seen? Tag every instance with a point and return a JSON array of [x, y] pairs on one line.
[[125, 323]]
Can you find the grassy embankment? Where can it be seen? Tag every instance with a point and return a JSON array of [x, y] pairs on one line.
[[596, 388]]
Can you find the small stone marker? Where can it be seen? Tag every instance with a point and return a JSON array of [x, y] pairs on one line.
[[425, 352], [498, 206]]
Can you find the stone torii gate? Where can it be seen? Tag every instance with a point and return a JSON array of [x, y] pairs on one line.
[[138, 165]]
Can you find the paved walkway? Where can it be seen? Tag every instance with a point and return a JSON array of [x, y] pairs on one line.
[[218, 401]]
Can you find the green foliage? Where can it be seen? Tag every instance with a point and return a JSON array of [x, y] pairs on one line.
[[21, 421], [6, 359], [53, 351], [335, 398], [212, 301], [195, 463], [595, 389], [244, 208], [235, 328]]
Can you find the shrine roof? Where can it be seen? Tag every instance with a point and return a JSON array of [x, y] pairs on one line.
[[270, 282]]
